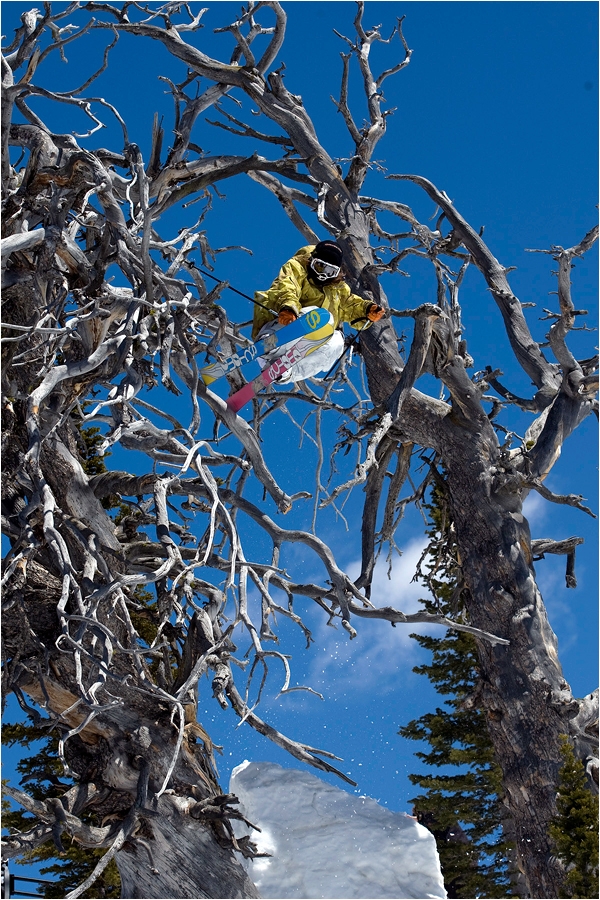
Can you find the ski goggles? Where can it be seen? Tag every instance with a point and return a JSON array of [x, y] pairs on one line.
[[324, 270]]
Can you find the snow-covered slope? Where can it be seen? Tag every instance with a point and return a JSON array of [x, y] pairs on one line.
[[326, 843]]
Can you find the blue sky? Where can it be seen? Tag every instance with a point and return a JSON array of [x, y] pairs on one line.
[[498, 107]]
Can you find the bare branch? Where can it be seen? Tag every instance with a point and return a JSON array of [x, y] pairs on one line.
[[526, 350], [389, 614], [564, 499], [424, 316], [306, 754], [541, 546]]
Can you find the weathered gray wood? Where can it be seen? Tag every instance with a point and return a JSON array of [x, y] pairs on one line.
[[23, 241]]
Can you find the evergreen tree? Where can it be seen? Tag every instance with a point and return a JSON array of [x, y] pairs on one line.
[[43, 774], [93, 461], [575, 829], [463, 809]]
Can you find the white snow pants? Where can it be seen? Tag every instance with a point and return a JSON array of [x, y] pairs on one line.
[[320, 360]]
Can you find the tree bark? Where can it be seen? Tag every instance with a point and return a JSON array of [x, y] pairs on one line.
[[527, 702]]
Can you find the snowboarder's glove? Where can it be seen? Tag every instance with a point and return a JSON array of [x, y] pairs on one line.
[[286, 316], [375, 312]]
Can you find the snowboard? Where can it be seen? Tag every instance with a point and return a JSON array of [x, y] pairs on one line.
[[302, 348], [304, 325]]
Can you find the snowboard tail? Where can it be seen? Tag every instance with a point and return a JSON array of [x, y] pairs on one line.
[[279, 367]]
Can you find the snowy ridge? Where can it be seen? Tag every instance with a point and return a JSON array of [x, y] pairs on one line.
[[329, 844]]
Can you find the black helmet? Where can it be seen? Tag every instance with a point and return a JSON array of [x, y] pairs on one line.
[[326, 261]]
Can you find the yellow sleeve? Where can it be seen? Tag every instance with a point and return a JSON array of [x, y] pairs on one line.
[[286, 290], [353, 309]]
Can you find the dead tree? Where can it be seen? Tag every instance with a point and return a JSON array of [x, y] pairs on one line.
[[80, 352]]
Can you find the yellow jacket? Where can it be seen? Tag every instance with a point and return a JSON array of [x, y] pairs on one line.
[[293, 289]]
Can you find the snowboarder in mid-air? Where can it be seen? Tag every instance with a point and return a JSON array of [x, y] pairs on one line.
[[313, 277]]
